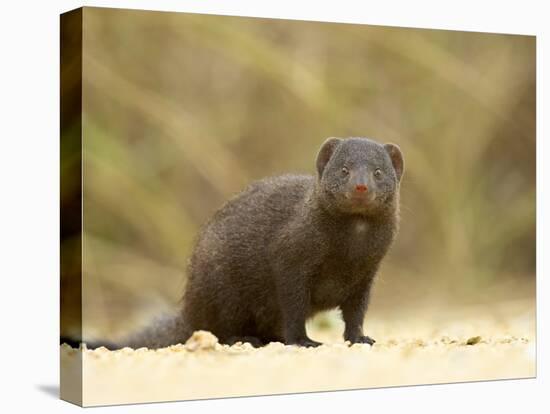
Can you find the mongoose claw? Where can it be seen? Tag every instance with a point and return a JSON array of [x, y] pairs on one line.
[[364, 340], [309, 343]]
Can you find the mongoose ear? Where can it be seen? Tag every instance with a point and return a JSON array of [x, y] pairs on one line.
[[326, 151], [396, 159]]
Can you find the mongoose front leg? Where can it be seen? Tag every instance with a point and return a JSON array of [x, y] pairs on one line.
[[293, 272], [294, 302], [353, 312], [294, 318]]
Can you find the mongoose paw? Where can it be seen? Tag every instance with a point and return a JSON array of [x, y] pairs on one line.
[[363, 340], [309, 343]]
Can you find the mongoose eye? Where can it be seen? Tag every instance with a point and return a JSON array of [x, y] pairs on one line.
[[345, 171], [378, 173]]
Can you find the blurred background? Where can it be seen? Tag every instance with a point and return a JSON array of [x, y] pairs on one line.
[[182, 111]]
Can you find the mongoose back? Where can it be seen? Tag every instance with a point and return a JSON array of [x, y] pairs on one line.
[[289, 247]]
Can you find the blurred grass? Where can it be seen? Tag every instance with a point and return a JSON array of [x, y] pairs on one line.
[[181, 111]]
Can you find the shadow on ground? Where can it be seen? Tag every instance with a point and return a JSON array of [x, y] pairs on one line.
[[51, 390]]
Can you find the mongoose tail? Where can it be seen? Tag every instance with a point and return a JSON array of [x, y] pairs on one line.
[[161, 332]]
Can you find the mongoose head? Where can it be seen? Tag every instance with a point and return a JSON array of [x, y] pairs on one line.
[[359, 175]]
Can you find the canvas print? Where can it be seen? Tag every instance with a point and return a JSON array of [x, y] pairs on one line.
[[256, 206]]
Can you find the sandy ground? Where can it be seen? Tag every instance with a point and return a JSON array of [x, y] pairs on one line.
[[424, 347]]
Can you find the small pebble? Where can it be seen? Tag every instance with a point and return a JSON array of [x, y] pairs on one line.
[[473, 340]]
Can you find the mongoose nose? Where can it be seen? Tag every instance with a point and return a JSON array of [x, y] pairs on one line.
[[361, 188]]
